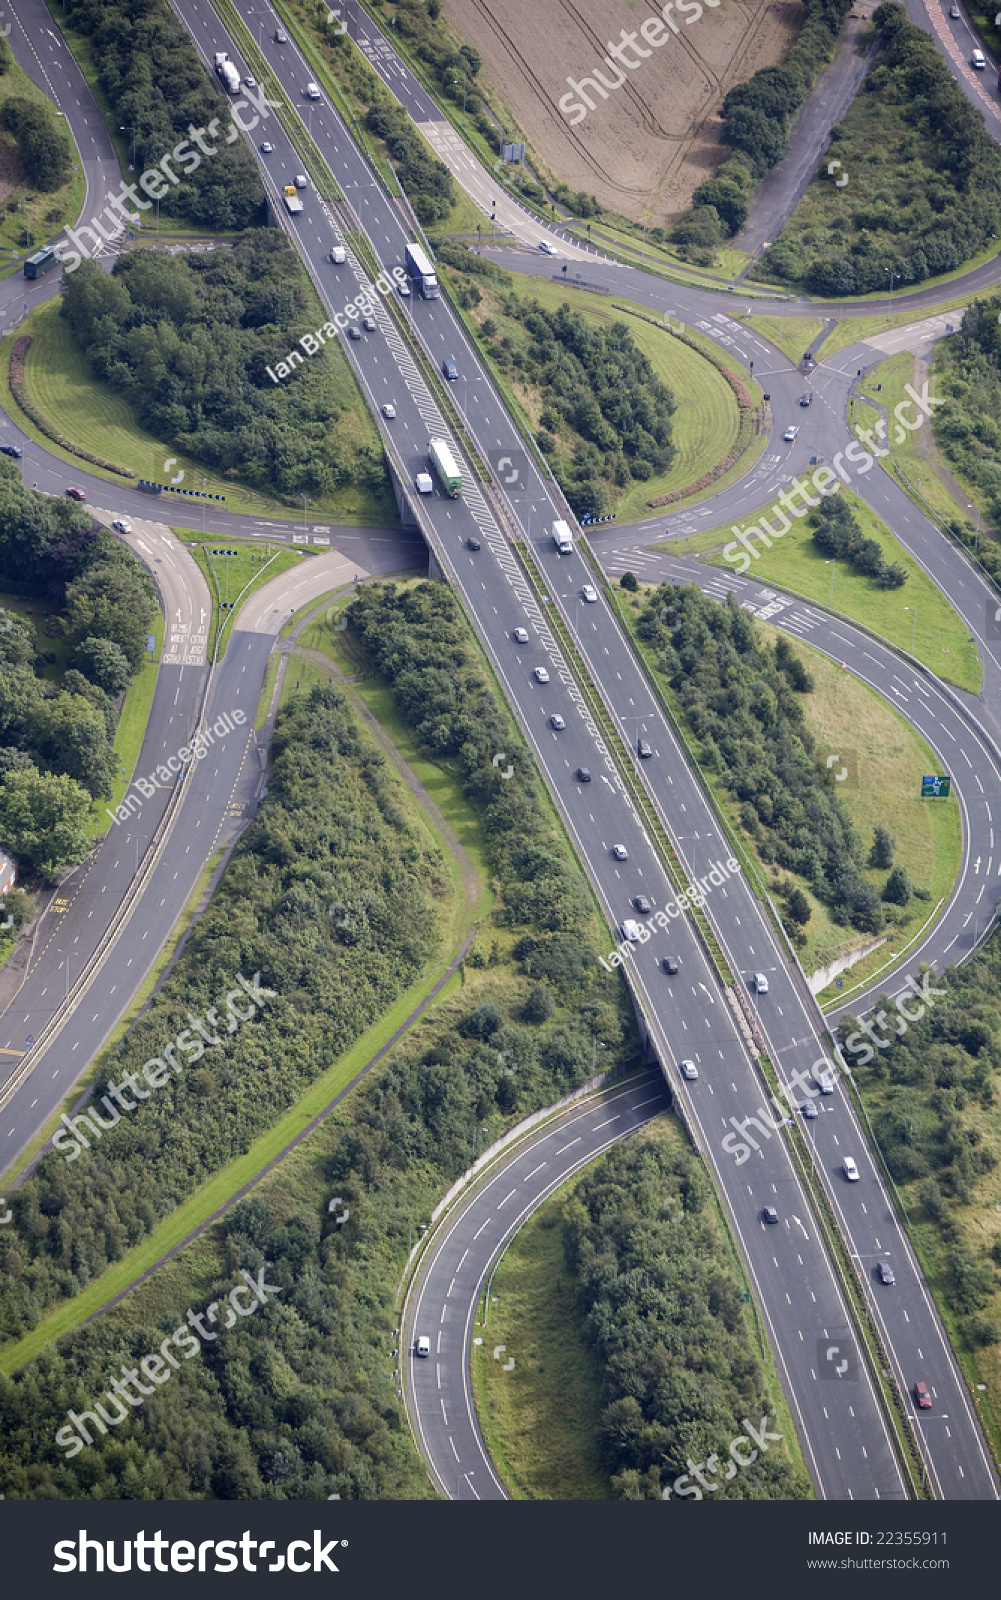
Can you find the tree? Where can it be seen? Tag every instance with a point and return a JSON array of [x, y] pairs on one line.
[[45, 151], [17, 640], [71, 736], [899, 889], [104, 663], [540, 1005], [112, 602], [798, 908], [883, 846], [628, 581], [44, 820], [724, 197]]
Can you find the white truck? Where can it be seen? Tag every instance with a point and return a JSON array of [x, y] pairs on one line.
[[312, 91], [227, 73], [563, 538], [422, 271]]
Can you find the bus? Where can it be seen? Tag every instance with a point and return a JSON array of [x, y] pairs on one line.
[[41, 262]]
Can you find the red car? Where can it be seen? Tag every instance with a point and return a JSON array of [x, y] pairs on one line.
[[76, 494], [922, 1396]]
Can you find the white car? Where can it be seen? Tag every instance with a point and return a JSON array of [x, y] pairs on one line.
[[402, 287], [301, 181], [620, 852], [267, 148], [954, 13], [689, 1070], [790, 434], [389, 410], [550, 249], [121, 526], [541, 675], [978, 60], [424, 1345], [850, 1169], [630, 931], [557, 722], [521, 635], [250, 83], [589, 593], [760, 983]]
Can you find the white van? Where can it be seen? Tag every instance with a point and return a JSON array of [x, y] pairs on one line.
[[424, 483]]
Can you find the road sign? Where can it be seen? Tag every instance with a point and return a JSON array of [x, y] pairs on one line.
[[936, 788], [512, 152], [150, 645]]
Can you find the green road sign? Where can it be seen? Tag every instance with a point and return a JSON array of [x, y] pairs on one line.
[[936, 788]]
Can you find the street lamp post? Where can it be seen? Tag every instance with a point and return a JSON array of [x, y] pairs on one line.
[[914, 629], [125, 128], [831, 601], [889, 303]]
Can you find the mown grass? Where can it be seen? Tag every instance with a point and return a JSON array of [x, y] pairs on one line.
[[228, 576], [939, 638], [792, 335], [916, 453]]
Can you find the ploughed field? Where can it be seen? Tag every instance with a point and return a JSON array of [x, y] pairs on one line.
[[647, 146]]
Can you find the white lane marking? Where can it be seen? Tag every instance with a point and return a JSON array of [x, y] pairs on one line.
[[561, 1150], [505, 1199]]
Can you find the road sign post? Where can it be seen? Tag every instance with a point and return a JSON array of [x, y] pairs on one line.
[[936, 788]]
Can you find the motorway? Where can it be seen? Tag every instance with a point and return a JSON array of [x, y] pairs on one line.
[[844, 1435]]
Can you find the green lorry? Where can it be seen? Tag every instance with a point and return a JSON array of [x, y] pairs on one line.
[[441, 458]]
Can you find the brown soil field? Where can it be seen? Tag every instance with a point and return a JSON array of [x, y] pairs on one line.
[[645, 148]]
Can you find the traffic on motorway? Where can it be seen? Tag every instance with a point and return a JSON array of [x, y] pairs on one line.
[[622, 785]]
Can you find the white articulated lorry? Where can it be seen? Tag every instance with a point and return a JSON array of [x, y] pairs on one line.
[[226, 71]]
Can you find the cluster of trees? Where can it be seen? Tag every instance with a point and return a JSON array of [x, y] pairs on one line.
[[149, 70], [757, 117], [56, 739], [606, 417], [425, 180], [967, 430], [665, 1316], [43, 145], [838, 533], [334, 897], [924, 190], [331, 894], [739, 698], [932, 1096], [187, 339], [419, 642]]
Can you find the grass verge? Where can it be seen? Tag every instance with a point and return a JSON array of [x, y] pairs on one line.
[[540, 1421], [27, 210], [937, 636]]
